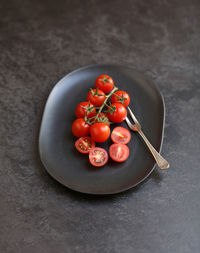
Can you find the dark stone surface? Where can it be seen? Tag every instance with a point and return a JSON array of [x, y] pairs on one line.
[[41, 41]]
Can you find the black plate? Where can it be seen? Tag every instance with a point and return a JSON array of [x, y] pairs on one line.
[[56, 143]]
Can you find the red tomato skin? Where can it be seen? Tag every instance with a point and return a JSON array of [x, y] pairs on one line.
[[100, 132], [80, 128], [91, 155], [84, 138], [125, 150], [119, 115], [123, 131], [104, 83], [81, 112], [96, 100], [115, 99]]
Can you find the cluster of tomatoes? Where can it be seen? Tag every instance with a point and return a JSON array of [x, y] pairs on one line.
[[91, 120]]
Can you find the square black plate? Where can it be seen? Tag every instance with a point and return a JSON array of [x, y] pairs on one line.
[[56, 143]]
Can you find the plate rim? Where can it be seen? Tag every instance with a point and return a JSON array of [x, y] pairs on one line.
[[148, 79]]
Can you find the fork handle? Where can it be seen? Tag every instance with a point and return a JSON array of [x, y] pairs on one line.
[[161, 162]]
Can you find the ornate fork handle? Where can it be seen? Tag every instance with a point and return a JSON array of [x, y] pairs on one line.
[[162, 163]]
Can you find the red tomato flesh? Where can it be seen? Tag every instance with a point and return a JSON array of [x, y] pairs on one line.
[[119, 152], [84, 144], [121, 135], [98, 157]]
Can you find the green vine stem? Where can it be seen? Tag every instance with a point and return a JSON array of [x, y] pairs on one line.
[[108, 106], [104, 103]]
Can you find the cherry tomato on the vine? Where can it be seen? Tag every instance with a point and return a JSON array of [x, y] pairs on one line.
[[101, 118], [100, 132], [80, 128], [120, 135], [83, 108], [119, 114], [121, 97], [98, 157], [104, 83], [84, 144], [96, 97], [119, 152]]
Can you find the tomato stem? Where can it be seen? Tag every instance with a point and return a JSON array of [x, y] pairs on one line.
[[108, 106], [104, 80], [95, 118], [104, 103], [121, 99]]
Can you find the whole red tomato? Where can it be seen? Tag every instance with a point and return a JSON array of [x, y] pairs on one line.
[[118, 113], [104, 83], [96, 97], [83, 108], [121, 97], [100, 132], [80, 128]]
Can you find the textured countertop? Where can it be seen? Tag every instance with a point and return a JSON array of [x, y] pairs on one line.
[[40, 42]]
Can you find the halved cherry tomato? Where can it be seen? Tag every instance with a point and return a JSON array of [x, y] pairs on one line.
[[98, 157], [96, 97], [83, 107], [101, 118], [119, 113], [120, 135], [104, 83], [80, 128], [84, 144], [119, 152], [99, 132], [121, 97]]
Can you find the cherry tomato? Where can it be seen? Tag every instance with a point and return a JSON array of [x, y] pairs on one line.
[[102, 117], [98, 157], [84, 144], [99, 132], [119, 114], [121, 97], [119, 152], [96, 97], [120, 135], [82, 108], [104, 83], [80, 128]]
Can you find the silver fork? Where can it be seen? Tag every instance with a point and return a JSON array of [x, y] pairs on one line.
[[161, 162]]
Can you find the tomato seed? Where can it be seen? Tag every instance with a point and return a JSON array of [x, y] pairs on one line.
[[99, 156], [85, 145]]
